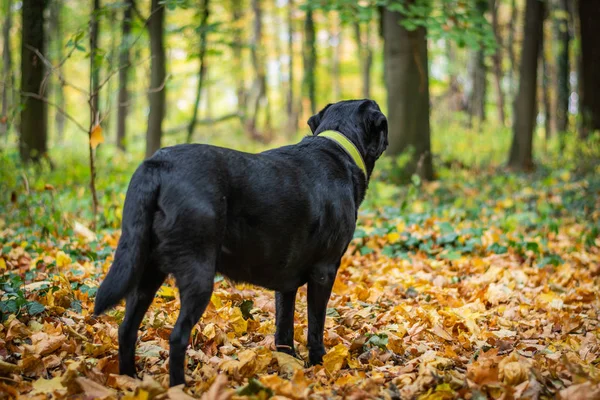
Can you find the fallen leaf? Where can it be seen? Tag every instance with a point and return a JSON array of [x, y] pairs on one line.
[[334, 360]]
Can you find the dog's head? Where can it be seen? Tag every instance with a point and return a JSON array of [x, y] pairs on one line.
[[361, 121]]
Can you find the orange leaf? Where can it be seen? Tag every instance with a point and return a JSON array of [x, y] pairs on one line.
[[96, 136]]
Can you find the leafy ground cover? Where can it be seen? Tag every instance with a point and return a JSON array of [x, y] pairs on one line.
[[479, 285]]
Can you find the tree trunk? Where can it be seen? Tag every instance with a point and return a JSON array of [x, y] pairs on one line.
[[366, 56], [548, 115], [521, 157], [407, 83], [563, 38], [7, 70], [204, 6], [514, 15], [310, 61], [158, 74], [34, 115], [497, 59], [237, 44], [124, 65], [336, 39], [479, 75], [292, 117], [259, 87], [58, 90], [94, 63], [589, 16]]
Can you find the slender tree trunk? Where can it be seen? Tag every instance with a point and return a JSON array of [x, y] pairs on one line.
[[94, 63], [545, 74], [407, 83], [310, 61], [259, 86], [292, 117], [113, 56], [479, 71], [205, 11], [7, 70], [512, 72], [497, 59], [158, 75], [34, 115], [336, 38], [124, 65], [57, 39], [521, 157], [237, 44], [563, 39], [589, 15], [366, 56]]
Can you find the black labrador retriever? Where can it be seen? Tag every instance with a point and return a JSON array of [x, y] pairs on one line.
[[277, 219]]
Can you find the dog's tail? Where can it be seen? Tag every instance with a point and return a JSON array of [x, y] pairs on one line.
[[134, 245]]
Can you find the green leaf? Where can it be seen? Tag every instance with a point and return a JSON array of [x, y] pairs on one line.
[[34, 308], [246, 308]]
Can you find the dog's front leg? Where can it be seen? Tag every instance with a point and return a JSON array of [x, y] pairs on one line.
[[320, 284], [284, 319]]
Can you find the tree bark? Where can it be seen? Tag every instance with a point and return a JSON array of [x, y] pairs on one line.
[[563, 39], [521, 157], [58, 90], [336, 39], [366, 56], [548, 114], [291, 112], [7, 70], [589, 16], [514, 15], [94, 63], [497, 59], [407, 83], [237, 14], [205, 11], [259, 87], [158, 74], [310, 61], [34, 115], [479, 75], [124, 65]]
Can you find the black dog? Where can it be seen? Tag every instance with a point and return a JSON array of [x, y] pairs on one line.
[[277, 219]]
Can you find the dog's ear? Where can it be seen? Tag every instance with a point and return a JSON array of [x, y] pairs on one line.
[[377, 130], [315, 120]]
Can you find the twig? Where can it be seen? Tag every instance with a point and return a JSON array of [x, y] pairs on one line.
[[25, 181], [58, 108]]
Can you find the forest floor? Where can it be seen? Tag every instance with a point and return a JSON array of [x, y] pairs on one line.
[[480, 285]]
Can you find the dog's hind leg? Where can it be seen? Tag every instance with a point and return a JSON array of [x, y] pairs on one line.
[[320, 284], [195, 281], [284, 317], [136, 304]]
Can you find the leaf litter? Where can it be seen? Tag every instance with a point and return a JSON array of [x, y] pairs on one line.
[[472, 294]]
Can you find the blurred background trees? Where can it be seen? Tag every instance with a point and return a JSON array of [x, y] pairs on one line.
[[249, 73]]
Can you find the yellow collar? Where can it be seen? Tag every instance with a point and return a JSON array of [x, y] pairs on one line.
[[348, 146]]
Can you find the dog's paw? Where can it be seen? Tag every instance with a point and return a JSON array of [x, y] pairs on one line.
[[315, 356]]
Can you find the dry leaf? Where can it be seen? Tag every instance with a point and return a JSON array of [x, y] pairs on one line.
[[96, 136], [334, 360]]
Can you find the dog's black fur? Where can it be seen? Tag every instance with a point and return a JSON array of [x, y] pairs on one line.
[[277, 219]]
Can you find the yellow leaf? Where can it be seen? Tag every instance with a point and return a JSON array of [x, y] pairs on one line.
[[166, 292], [96, 136], [333, 361], [2, 264], [287, 364], [393, 237], [237, 321], [47, 386], [62, 260]]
